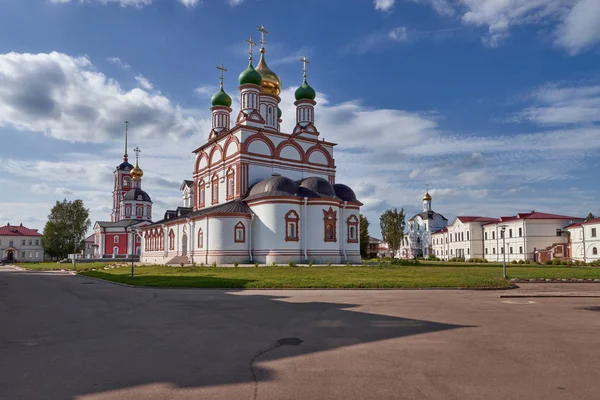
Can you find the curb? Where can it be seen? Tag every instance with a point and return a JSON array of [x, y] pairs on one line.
[[556, 296]]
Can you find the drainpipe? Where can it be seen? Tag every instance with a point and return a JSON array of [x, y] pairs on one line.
[[207, 239], [583, 235], [252, 215], [304, 223], [344, 232]]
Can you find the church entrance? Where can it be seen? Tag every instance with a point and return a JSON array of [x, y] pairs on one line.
[[10, 256], [184, 243]]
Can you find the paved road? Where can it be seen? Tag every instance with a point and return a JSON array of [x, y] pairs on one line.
[[65, 337]]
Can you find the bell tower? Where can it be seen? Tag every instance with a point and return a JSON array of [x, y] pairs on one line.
[[122, 182]]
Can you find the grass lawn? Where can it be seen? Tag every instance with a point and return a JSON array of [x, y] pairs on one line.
[[53, 266], [385, 276]]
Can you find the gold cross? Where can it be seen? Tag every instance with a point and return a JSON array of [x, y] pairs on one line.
[[305, 61], [137, 153], [263, 32], [222, 69], [252, 44]]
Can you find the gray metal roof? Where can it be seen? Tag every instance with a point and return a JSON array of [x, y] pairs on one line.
[[234, 206], [137, 195], [428, 215]]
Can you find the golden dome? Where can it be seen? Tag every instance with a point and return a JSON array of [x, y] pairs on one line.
[[136, 172], [427, 197], [271, 83]]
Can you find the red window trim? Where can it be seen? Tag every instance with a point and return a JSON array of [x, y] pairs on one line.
[[214, 195], [200, 239], [352, 221], [171, 240], [230, 176], [292, 216], [239, 226], [330, 219], [201, 193]]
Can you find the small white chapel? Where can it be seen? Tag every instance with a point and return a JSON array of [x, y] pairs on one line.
[[258, 194]]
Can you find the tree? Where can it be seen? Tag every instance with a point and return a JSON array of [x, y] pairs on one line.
[[589, 217], [364, 236], [65, 230], [392, 228]]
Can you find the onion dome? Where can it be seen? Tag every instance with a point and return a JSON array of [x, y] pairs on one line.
[[137, 195], [271, 83], [305, 92], [250, 76], [427, 197], [279, 113], [221, 98], [137, 173]]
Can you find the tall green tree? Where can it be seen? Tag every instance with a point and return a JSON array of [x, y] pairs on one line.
[[364, 236], [590, 217], [65, 230], [392, 228]]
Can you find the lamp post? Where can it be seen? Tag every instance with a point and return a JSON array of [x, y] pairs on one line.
[[503, 229]]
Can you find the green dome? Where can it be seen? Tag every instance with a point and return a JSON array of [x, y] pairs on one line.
[[250, 75], [221, 99], [278, 113], [305, 92]]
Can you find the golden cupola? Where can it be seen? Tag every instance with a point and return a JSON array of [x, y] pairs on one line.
[[136, 172], [271, 83]]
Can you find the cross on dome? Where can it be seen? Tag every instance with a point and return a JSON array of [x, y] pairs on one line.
[[125, 155], [222, 69], [252, 44], [263, 32], [304, 61]]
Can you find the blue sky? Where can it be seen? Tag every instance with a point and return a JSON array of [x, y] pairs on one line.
[[493, 103]]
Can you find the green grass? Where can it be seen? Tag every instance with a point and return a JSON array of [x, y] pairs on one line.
[[385, 276], [54, 266]]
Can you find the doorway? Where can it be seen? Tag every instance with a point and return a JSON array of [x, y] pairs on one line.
[[10, 256]]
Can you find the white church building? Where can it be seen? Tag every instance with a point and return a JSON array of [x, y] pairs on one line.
[[258, 194]]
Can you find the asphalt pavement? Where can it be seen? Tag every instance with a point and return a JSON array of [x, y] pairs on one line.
[[70, 337]]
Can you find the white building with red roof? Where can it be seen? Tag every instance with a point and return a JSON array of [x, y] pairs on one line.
[[20, 244], [584, 240], [463, 238]]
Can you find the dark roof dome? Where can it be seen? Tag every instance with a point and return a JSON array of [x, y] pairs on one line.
[[137, 195], [345, 193], [125, 166], [319, 186], [274, 186]]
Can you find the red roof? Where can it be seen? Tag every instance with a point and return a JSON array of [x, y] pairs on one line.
[[18, 230], [465, 219], [592, 221], [534, 215], [445, 229]]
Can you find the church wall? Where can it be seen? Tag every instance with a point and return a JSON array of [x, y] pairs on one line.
[[269, 234], [320, 251], [220, 243]]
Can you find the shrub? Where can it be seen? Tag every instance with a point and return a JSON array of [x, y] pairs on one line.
[[274, 264], [255, 264], [292, 264], [214, 264], [310, 264], [347, 263], [201, 264], [556, 261], [521, 262], [514, 262], [236, 264], [329, 264], [549, 262], [194, 264]]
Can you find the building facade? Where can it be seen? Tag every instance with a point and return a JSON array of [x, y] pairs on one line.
[[259, 194], [132, 209], [417, 238], [463, 238], [20, 244], [584, 241]]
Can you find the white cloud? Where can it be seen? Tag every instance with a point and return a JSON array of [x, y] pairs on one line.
[[143, 82], [384, 5], [205, 91], [66, 98], [575, 22], [399, 34], [117, 61]]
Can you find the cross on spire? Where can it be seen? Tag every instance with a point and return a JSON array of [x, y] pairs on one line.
[[222, 69], [304, 61], [252, 44], [427, 188], [263, 32], [137, 154], [125, 156]]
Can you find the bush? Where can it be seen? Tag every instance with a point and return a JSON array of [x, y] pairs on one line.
[[292, 264], [399, 261], [274, 264], [556, 261], [214, 264], [310, 264], [549, 262], [256, 265], [329, 264], [236, 264], [347, 263], [201, 264], [521, 262], [527, 262], [514, 262]]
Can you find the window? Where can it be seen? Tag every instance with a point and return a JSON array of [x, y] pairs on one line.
[[115, 239], [31, 241], [128, 211], [493, 235], [450, 251], [502, 250], [215, 189], [230, 184], [352, 223], [148, 209], [115, 250], [485, 234], [291, 226], [37, 242], [23, 254], [30, 254], [140, 211], [595, 251], [201, 193], [520, 249], [520, 232], [501, 234], [468, 251], [467, 235], [493, 250], [510, 233], [462, 236], [240, 232], [486, 250], [171, 240], [23, 242], [510, 250], [37, 254], [593, 232], [330, 222], [11, 243], [200, 238], [127, 181]]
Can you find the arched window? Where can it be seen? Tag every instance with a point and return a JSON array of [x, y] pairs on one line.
[[201, 193], [161, 242], [115, 239], [352, 223], [148, 210], [292, 221], [115, 250], [200, 238], [230, 184], [140, 211], [330, 223], [215, 189], [171, 240], [127, 181], [595, 251], [128, 211], [240, 233]]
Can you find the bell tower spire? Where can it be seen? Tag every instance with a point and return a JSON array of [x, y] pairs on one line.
[[125, 156]]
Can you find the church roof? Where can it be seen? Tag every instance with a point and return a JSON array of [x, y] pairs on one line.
[[533, 215], [312, 187], [124, 166], [19, 230], [427, 215], [124, 223], [187, 183], [137, 195], [234, 206]]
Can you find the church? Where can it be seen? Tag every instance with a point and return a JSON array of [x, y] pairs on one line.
[[132, 209], [258, 194]]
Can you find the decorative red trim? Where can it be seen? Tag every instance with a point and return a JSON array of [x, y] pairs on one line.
[[319, 147], [201, 193], [171, 240], [292, 217], [231, 139], [258, 136], [216, 147], [200, 238], [294, 144], [329, 225], [230, 189], [199, 158], [239, 227], [214, 189], [352, 221]]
